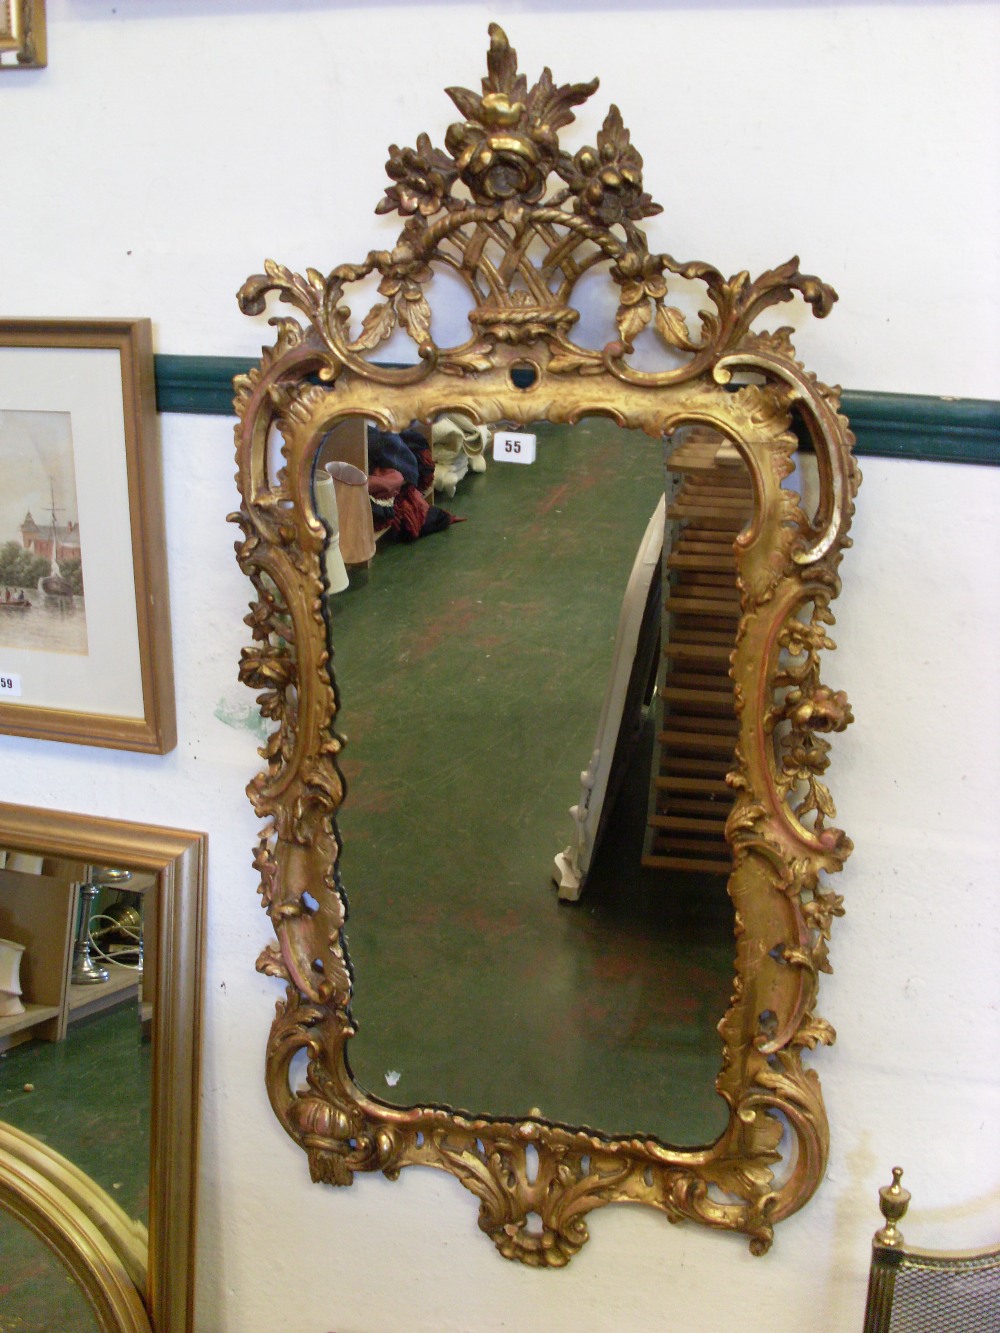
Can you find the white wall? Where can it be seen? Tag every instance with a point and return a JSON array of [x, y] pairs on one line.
[[863, 137]]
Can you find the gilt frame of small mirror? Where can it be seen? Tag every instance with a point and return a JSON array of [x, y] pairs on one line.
[[520, 240], [22, 35], [133, 1282]]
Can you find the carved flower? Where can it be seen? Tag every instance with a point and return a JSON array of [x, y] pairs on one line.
[[820, 710], [509, 143], [424, 177], [402, 269], [805, 758], [819, 913], [608, 180], [497, 166], [269, 669], [640, 276]]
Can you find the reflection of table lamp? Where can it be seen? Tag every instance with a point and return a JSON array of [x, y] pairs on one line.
[[326, 507], [85, 971], [354, 511], [10, 983]]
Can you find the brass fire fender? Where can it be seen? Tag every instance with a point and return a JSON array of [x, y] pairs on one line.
[[521, 256]]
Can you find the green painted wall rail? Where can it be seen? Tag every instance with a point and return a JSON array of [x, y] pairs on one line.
[[887, 425]]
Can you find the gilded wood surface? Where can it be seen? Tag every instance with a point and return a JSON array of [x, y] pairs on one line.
[[481, 208], [22, 34], [103, 1249], [178, 859]]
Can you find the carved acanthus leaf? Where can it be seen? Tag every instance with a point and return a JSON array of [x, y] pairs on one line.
[[815, 1032], [415, 316], [632, 319], [672, 328], [579, 361], [376, 326], [271, 963], [306, 294]]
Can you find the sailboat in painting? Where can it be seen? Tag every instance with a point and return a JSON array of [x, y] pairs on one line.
[[54, 584]]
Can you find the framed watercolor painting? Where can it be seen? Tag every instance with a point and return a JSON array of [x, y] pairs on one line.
[[84, 614]]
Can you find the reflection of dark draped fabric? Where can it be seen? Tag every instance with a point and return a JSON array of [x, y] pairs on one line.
[[402, 507]]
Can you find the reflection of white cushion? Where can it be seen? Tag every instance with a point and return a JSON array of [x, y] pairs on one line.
[[457, 431]]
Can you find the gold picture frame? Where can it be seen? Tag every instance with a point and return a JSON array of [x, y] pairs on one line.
[[520, 248], [22, 34], [78, 437], [124, 1280]]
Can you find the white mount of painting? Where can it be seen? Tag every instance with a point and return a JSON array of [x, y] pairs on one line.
[[71, 651]]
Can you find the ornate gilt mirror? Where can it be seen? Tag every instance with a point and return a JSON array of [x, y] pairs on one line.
[[556, 1049], [99, 1043]]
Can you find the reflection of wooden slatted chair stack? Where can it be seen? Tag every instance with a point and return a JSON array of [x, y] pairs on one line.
[[711, 504]]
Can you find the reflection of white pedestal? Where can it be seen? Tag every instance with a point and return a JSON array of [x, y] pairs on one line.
[[10, 978], [572, 865]]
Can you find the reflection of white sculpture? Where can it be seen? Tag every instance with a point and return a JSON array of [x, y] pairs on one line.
[[457, 445], [326, 508], [10, 978]]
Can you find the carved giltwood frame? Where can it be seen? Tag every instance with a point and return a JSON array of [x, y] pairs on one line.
[[130, 1286], [22, 34], [103, 1248], [521, 255]]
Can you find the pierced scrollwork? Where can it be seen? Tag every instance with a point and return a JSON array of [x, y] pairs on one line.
[[522, 219], [520, 253]]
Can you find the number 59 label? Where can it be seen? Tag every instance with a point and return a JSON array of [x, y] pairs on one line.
[[10, 686], [511, 446]]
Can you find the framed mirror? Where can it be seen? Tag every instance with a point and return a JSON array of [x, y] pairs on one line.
[[556, 1049], [100, 1004]]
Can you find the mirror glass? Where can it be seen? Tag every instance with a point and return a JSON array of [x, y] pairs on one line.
[[77, 989], [473, 665], [37, 1291]]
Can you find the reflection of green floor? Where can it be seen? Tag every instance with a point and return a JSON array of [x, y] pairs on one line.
[[89, 1100], [472, 668], [37, 1294]]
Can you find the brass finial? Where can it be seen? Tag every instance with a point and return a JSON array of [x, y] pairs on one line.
[[893, 1201]]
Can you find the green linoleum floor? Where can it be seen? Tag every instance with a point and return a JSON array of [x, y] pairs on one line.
[[472, 667], [37, 1294], [89, 1100]]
